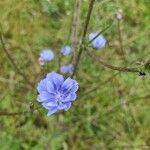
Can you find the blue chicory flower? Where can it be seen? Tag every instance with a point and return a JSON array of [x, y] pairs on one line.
[[99, 42], [56, 93], [67, 69], [47, 55], [66, 50]]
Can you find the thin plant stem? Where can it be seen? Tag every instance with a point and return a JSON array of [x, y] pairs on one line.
[[121, 41], [75, 27], [105, 64], [59, 60], [12, 61], [91, 4], [31, 110], [12, 113]]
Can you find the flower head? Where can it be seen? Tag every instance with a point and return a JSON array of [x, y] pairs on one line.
[[46, 55], [66, 50], [55, 93], [67, 69], [119, 14], [99, 42]]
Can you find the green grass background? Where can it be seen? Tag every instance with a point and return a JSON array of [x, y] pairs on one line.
[[93, 122]]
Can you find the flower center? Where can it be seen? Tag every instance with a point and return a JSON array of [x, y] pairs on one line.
[[58, 97]]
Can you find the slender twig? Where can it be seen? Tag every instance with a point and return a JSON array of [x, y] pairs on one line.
[[121, 41], [12, 61], [75, 27], [12, 113], [91, 4], [59, 61], [105, 64], [31, 110]]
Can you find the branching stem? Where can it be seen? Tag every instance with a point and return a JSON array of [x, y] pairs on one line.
[[12, 61], [105, 64], [91, 4]]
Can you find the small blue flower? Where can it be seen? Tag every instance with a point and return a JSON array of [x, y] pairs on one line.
[[66, 50], [55, 93], [99, 42], [67, 69], [47, 55]]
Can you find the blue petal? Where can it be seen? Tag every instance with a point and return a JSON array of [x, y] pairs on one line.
[[61, 106], [64, 106], [92, 35], [66, 50], [52, 110], [49, 104], [69, 85], [67, 69], [41, 86], [67, 106], [56, 79], [99, 42], [50, 87], [70, 97], [44, 96]]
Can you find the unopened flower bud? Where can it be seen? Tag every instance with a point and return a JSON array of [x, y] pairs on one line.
[[119, 14]]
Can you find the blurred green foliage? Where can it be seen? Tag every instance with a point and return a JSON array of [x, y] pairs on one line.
[[93, 122]]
